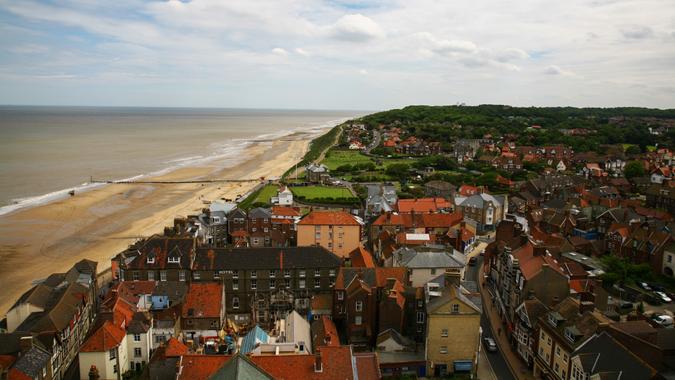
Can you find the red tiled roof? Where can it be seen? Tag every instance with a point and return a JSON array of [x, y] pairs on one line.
[[204, 299], [107, 337], [530, 264], [123, 312], [361, 258], [335, 218], [466, 234], [422, 205], [382, 274], [367, 365], [200, 367], [468, 190], [6, 361], [239, 233], [17, 374], [175, 348], [131, 290], [322, 301], [419, 220], [336, 362], [329, 331], [402, 238]]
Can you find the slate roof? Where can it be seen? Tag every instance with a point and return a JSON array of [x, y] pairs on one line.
[[395, 336], [161, 248], [374, 277], [240, 367], [175, 290], [60, 307], [32, 362], [479, 200], [450, 293], [411, 258], [603, 354], [264, 258]]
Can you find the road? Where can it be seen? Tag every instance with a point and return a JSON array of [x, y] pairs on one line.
[[497, 361], [375, 142]]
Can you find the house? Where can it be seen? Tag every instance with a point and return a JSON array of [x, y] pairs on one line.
[[317, 173], [381, 198], [158, 258], [237, 223], [669, 260], [165, 325], [60, 309], [400, 356], [440, 189], [507, 163], [140, 341], [337, 231], [437, 225], [661, 174], [645, 245], [423, 205], [284, 197], [32, 361], [528, 314], [453, 331], [324, 332], [167, 294], [425, 264], [105, 353], [561, 332], [203, 311], [468, 190], [485, 209], [662, 197], [260, 227], [264, 284]]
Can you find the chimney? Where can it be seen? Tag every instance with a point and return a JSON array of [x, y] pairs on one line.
[[25, 343], [539, 250], [586, 302], [318, 366], [452, 278]]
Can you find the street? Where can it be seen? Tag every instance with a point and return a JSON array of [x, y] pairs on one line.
[[496, 359]]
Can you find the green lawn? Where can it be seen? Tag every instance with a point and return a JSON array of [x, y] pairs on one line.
[[335, 158], [314, 192], [261, 196]]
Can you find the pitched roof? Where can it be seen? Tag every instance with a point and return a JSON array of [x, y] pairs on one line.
[[265, 258], [285, 211], [203, 300], [252, 339], [426, 258], [336, 364], [105, 338], [324, 333], [30, 364], [419, 220], [429, 205], [161, 248], [374, 277], [361, 258], [367, 365], [531, 264], [239, 368], [175, 348], [200, 367], [335, 218], [605, 354], [479, 200]]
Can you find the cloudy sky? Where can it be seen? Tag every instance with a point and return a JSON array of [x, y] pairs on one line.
[[337, 54]]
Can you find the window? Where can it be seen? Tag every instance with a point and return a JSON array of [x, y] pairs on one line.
[[254, 274], [287, 283], [444, 333], [301, 284], [254, 284], [557, 351], [115, 368], [273, 283], [151, 275], [162, 275], [136, 276], [444, 350], [181, 275], [359, 306], [151, 259], [137, 352], [174, 260], [317, 272], [455, 308], [254, 229], [670, 258], [317, 282], [420, 317], [235, 274], [235, 302], [433, 270], [266, 229], [331, 272], [273, 273], [112, 354], [332, 282], [235, 284], [340, 296], [137, 337], [302, 273], [261, 315], [358, 320], [565, 358], [287, 273], [196, 275]]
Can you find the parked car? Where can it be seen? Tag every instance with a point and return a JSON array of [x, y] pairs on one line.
[[472, 261], [657, 287], [644, 286], [490, 344], [664, 297], [664, 320], [625, 305]]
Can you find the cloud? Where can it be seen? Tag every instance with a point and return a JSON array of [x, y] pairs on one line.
[[280, 51], [637, 32], [356, 28], [302, 52], [510, 54], [556, 70], [363, 72]]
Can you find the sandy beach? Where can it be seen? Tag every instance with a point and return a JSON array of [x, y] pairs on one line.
[[100, 223]]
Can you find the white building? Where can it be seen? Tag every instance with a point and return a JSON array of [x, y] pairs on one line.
[[106, 351], [139, 342], [284, 197]]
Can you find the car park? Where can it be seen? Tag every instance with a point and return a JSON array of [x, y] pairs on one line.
[[663, 320], [625, 305], [490, 344]]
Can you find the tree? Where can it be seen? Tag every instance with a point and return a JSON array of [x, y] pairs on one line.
[[398, 171], [633, 149], [634, 169]]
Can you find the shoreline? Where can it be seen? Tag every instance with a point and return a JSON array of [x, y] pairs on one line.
[[99, 223]]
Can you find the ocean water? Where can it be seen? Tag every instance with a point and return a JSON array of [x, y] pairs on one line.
[[47, 151]]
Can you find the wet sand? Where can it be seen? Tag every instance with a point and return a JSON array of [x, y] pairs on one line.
[[100, 223]]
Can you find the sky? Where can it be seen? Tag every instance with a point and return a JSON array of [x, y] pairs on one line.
[[337, 54]]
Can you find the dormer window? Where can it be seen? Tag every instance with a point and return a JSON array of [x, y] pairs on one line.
[[572, 333], [151, 259], [173, 259]]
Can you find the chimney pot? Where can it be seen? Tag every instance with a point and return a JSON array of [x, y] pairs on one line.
[[318, 366]]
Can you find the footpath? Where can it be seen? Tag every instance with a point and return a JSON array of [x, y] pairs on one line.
[[518, 368]]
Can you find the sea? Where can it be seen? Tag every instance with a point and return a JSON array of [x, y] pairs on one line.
[[45, 152]]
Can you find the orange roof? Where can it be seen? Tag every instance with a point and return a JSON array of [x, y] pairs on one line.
[[284, 211], [281, 221], [132, 290], [336, 362], [6, 361], [203, 300], [402, 238], [367, 365], [422, 205], [17, 374], [123, 312], [175, 348], [200, 367], [468, 190], [466, 234], [107, 337], [530, 264], [419, 220], [330, 334], [382, 274], [335, 218], [360, 257]]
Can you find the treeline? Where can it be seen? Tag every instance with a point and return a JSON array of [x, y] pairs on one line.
[[317, 146], [607, 125]]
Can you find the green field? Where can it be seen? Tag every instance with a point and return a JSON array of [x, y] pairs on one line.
[[263, 195], [335, 158], [316, 192]]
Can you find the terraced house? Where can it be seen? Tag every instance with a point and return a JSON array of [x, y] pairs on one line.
[[158, 258]]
